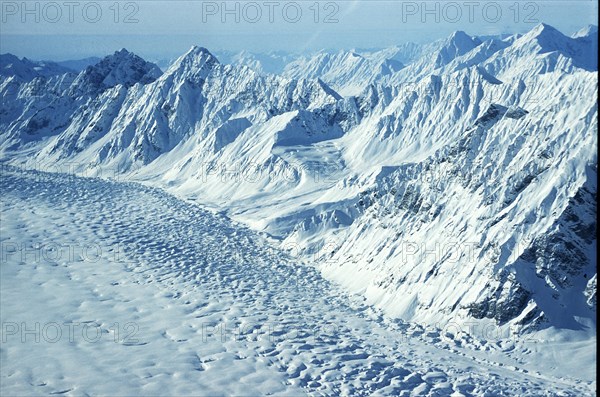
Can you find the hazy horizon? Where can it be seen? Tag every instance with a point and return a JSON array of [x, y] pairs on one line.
[[159, 30]]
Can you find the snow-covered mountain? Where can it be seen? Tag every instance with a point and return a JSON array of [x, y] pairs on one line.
[[121, 68], [350, 72], [272, 62], [454, 181], [346, 71], [27, 70]]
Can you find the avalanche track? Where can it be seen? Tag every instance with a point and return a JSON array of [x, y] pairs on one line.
[[121, 289]]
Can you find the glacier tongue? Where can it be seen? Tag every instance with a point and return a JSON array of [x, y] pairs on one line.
[[194, 303]]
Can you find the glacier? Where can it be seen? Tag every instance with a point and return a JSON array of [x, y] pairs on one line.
[[449, 185]]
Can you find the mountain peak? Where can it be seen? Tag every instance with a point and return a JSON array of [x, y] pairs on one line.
[[198, 50], [546, 37], [7, 57], [122, 67], [545, 29], [459, 35], [123, 53], [457, 44], [120, 56], [195, 60], [589, 30]]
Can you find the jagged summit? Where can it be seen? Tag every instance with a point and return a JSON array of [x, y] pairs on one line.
[[119, 56], [123, 52], [122, 67]]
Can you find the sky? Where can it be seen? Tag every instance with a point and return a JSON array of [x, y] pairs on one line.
[[69, 29]]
